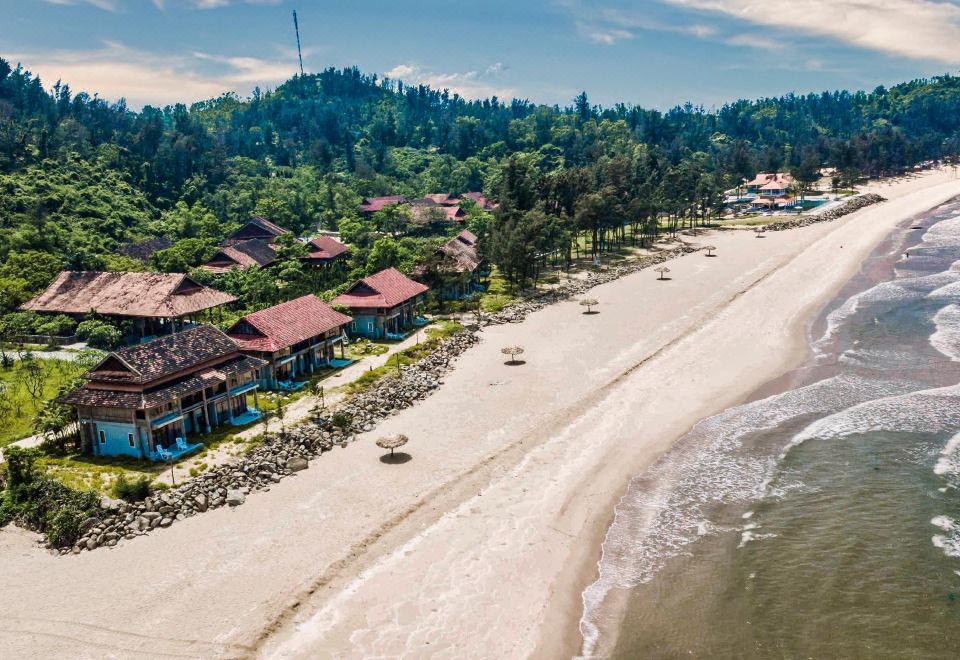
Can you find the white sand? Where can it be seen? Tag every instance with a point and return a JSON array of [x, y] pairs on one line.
[[481, 544]]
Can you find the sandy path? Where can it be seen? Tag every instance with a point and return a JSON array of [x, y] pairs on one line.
[[514, 474]]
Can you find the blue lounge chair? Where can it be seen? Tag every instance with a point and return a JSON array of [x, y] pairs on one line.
[[182, 444], [163, 454]]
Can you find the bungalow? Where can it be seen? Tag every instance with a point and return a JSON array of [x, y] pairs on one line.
[[143, 250], [139, 401], [458, 266], [382, 305], [157, 303], [325, 250], [292, 338], [245, 254], [256, 228], [480, 200], [371, 205]]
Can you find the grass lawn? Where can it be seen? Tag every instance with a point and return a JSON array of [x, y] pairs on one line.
[[17, 406], [499, 293]]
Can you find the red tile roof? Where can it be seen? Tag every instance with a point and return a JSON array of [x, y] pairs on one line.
[[256, 227], [286, 324], [326, 248], [245, 254], [386, 289], [373, 204], [149, 295], [481, 201]]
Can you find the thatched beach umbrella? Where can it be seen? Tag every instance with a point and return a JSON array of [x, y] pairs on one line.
[[709, 249], [513, 352], [759, 231], [392, 442], [588, 303], [663, 270]]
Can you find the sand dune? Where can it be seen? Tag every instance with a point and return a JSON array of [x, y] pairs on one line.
[[480, 545]]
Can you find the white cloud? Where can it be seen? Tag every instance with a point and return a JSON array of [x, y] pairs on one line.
[[145, 78], [918, 29], [106, 5], [468, 84], [608, 26]]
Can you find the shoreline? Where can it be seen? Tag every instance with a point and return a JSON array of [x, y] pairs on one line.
[[799, 352], [582, 522], [476, 546]]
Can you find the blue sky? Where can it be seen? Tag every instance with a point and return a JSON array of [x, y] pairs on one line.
[[657, 53]]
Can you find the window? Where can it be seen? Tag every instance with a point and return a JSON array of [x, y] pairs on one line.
[[353, 326], [370, 326], [103, 437], [130, 440]]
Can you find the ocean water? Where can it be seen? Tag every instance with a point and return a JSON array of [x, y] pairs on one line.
[[821, 520]]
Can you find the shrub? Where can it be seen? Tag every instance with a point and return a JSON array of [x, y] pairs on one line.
[[58, 326], [99, 334], [159, 486], [131, 491]]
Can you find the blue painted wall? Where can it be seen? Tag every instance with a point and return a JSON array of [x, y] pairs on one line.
[[117, 443], [362, 327]]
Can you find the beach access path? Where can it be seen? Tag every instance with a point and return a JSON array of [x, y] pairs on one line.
[[481, 544]]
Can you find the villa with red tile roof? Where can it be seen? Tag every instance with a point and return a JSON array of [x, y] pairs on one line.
[[256, 228], [293, 338], [157, 303], [325, 250], [457, 267], [373, 204], [771, 190], [141, 399], [383, 304], [480, 200], [242, 255]]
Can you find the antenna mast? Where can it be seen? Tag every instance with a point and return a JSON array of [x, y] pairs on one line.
[[296, 28]]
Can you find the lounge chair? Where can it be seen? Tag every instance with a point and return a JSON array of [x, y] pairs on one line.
[[163, 454], [182, 444]]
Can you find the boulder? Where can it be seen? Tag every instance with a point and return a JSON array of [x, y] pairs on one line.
[[297, 463], [235, 497]]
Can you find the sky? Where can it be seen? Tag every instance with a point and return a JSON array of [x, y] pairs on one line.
[[655, 53]]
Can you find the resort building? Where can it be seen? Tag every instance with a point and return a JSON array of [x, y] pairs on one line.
[[294, 338], [458, 267], [421, 207], [245, 254], [371, 205], [771, 190], [143, 250], [382, 305], [155, 303], [257, 228], [325, 250], [480, 200], [148, 400]]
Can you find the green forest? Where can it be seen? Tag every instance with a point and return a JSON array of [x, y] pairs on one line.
[[81, 177]]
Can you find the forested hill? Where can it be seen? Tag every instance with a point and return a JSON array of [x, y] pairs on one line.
[[79, 176]]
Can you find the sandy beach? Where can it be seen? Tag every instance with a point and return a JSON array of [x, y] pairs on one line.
[[481, 545]]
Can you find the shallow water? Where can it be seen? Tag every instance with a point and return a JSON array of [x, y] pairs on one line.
[[820, 522]]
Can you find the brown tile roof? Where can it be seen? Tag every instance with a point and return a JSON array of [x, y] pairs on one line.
[[325, 248], [373, 204], [256, 227], [286, 324], [156, 359], [481, 201], [245, 254], [149, 295], [388, 288], [89, 395], [424, 212], [143, 250], [462, 250]]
